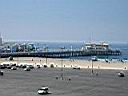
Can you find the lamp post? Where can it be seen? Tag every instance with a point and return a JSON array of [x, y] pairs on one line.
[[62, 75], [46, 49], [40, 61], [92, 68]]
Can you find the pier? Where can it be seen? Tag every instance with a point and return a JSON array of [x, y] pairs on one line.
[[62, 54]]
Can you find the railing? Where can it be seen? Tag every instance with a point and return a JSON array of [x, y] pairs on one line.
[[64, 53]]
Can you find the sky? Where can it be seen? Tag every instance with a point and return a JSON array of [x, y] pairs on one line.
[[64, 20]]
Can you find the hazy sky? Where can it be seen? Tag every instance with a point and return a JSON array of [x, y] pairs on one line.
[[64, 20]]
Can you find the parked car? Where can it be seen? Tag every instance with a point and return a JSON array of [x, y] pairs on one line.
[[5, 65], [52, 66], [43, 91], [13, 64], [2, 67], [45, 66], [30, 66], [94, 58], [27, 69], [13, 68], [38, 66], [22, 66], [9, 67], [121, 74], [1, 73], [76, 67]]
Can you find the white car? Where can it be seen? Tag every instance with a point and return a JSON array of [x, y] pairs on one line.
[[94, 58], [121, 74], [13, 68], [43, 90], [27, 69]]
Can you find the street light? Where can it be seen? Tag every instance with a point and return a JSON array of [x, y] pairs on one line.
[[62, 75], [46, 52], [93, 59], [92, 68]]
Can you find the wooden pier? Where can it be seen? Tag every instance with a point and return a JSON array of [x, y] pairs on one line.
[[62, 54]]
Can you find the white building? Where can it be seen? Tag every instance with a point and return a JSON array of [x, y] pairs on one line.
[[102, 46]]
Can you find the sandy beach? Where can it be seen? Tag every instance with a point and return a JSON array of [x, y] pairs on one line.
[[67, 63]]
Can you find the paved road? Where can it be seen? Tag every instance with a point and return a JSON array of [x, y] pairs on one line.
[[22, 83]]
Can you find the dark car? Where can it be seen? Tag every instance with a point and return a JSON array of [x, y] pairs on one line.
[[45, 66], [9, 67], [51, 66], [23, 66], [2, 67], [38, 66], [1, 73], [76, 67]]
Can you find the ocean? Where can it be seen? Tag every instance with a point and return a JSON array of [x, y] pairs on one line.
[[123, 47]]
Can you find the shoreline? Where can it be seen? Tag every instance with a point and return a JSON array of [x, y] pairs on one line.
[[67, 63]]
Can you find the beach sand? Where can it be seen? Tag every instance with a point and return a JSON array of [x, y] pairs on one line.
[[67, 63]]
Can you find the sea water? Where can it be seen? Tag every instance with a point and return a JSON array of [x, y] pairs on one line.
[[123, 47]]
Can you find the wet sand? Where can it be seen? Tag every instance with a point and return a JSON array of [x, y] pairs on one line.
[[82, 83]]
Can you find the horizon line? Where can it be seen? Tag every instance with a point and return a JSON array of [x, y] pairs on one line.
[[67, 41]]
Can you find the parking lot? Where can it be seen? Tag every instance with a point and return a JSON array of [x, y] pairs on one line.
[[75, 82]]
